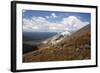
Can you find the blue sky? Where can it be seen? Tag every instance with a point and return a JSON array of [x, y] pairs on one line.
[[46, 18], [30, 13]]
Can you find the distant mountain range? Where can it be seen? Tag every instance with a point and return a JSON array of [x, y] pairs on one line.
[[63, 46]]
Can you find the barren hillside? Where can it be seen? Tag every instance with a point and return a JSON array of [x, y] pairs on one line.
[[75, 47]]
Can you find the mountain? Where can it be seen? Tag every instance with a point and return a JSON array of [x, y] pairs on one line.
[[79, 37], [75, 46], [56, 38], [60, 36]]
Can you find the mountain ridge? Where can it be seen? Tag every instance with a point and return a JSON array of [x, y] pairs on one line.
[[77, 46]]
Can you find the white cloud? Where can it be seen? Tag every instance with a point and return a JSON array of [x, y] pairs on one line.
[[35, 24], [47, 17], [27, 21], [53, 15], [35, 27], [41, 24], [73, 23]]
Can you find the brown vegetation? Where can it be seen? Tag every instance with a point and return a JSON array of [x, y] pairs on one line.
[[76, 47]]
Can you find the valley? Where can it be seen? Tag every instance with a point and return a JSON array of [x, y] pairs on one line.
[[75, 46]]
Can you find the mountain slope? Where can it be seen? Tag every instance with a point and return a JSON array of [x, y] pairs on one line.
[[75, 47], [79, 37], [56, 38]]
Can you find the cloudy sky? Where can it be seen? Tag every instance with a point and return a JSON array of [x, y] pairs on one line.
[[52, 21]]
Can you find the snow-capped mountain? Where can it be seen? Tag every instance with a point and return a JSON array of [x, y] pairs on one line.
[[65, 33], [57, 38]]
